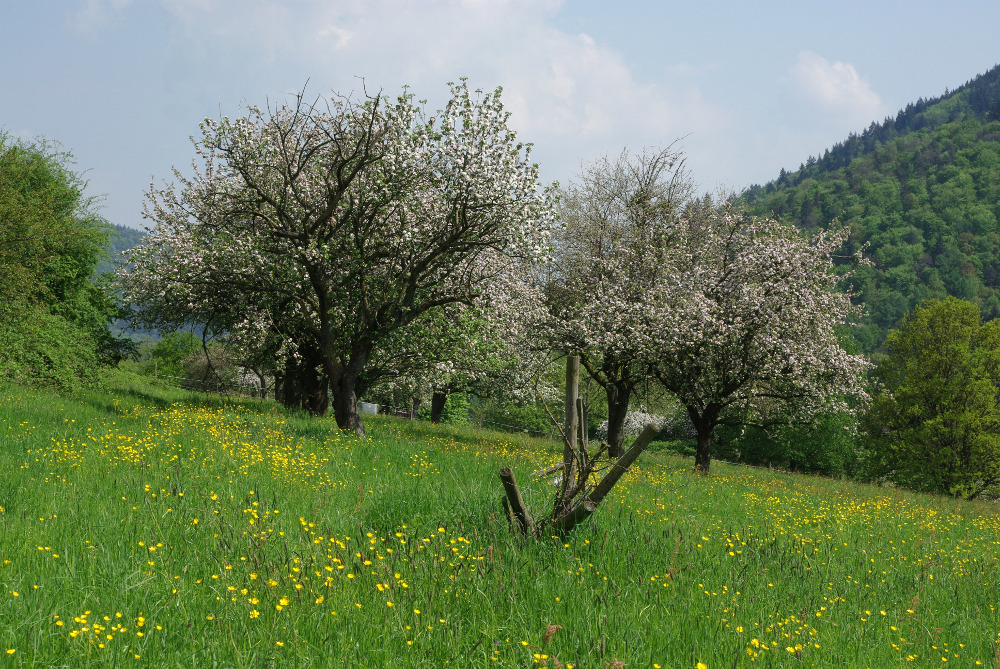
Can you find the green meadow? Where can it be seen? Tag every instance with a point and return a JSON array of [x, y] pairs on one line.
[[147, 527]]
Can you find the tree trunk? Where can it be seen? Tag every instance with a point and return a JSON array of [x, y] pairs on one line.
[[346, 383], [704, 426], [617, 410], [317, 396], [438, 399], [279, 382], [303, 386], [312, 384], [291, 384], [345, 405], [704, 422]]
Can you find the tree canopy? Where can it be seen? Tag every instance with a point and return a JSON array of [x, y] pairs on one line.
[[330, 228], [744, 328], [936, 424], [53, 318], [618, 218]]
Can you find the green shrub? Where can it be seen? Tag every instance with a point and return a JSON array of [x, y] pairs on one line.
[[828, 447], [936, 426], [167, 356], [511, 417], [456, 410], [41, 349]]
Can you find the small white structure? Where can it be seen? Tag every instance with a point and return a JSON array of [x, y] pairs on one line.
[[369, 408]]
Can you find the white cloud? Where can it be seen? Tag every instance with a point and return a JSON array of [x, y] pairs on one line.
[[94, 15], [836, 88], [573, 97]]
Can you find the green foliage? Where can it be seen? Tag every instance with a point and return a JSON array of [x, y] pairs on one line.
[[456, 409], [529, 416], [936, 425], [167, 356], [217, 369], [55, 323], [825, 447], [455, 412], [40, 348], [50, 239]]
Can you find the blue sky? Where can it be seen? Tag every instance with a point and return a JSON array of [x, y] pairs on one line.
[[748, 88]]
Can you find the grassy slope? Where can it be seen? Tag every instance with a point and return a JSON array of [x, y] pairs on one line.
[[150, 523]]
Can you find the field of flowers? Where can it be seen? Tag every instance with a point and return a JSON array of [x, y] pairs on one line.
[[150, 528]]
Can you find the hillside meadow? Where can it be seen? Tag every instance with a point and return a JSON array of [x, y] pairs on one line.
[[147, 527]]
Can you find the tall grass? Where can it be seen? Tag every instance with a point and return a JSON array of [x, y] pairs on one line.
[[149, 527]]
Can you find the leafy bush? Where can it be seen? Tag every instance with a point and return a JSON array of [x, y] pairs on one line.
[[827, 447], [456, 410], [42, 349], [217, 370], [53, 319], [167, 356], [509, 416]]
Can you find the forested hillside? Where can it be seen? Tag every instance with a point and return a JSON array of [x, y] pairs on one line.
[[122, 238], [923, 191]]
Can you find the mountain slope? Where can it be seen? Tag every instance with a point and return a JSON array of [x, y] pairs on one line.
[[922, 191], [122, 238]]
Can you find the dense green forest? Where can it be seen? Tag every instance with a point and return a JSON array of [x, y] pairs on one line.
[[922, 190]]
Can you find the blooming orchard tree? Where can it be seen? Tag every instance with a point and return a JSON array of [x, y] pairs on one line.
[[341, 223], [744, 326], [483, 347], [620, 223]]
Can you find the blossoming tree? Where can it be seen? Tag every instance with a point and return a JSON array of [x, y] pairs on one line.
[[485, 348], [341, 223], [744, 326], [620, 223]]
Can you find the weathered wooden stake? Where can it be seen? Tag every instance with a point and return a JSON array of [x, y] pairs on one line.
[[515, 504], [572, 418]]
